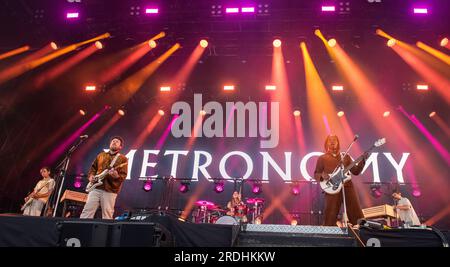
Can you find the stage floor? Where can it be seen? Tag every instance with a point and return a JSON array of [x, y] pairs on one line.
[[167, 231]]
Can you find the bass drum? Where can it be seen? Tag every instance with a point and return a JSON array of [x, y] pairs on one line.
[[227, 220]]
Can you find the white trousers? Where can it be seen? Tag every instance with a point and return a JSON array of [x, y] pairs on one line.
[[34, 209], [97, 197]]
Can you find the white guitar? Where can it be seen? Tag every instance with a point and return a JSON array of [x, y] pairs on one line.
[[341, 175], [30, 198], [98, 179]]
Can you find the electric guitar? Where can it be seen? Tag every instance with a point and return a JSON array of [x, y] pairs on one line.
[[29, 198], [98, 179], [334, 184]]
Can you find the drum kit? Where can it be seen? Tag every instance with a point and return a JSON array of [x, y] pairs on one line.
[[209, 212]]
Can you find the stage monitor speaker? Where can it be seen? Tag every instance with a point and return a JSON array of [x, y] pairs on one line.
[[133, 234], [83, 234]]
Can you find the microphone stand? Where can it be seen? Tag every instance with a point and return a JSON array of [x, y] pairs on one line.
[[63, 166], [341, 164]]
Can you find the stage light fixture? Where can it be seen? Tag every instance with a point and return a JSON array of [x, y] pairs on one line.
[[263, 9], [184, 187], [271, 87], [228, 87], [232, 10], [204, 43], [82, 112], [375, 190], [386, 114], [257, 188], [121, 112], [216, 10], [219, 186], [165, 88], [78, 181], [328, 8], [248, 9], [161, 112], [148, 186], [391, 42], [297, 113], [276, 43], [90, 88], [53, 45], [332, 42], [98, 44], [294, 222], [72, 15], [337, 88], [152, 10], [152, 43], [416, 192], [422, 87], [420, 10], [444, 41], [340, 113], [432, 114], [295, 189]]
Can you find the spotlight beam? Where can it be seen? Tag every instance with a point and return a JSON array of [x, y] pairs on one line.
[[14, 52]]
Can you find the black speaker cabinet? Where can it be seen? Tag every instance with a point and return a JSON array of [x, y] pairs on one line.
[[134, 234], [83, 234]]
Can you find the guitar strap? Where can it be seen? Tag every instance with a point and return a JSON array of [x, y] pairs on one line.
[[114, 160]]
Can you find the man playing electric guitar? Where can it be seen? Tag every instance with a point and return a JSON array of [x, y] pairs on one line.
[[35, 201], [326, 164], [105, 195]]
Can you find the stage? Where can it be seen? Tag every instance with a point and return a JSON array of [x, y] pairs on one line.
[[159, 230]]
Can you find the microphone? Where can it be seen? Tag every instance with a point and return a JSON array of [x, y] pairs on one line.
[[355, 138], [84, 136]]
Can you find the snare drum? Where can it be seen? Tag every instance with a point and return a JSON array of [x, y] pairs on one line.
[[227, 220]]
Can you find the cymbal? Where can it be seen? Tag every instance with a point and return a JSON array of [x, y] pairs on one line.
[[255, 200], [205, 203]]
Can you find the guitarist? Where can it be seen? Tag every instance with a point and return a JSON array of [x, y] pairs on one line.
[[326, 164], [105, 195], [40, 194]]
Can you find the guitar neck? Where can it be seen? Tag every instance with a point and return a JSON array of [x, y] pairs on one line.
[[357, 160]]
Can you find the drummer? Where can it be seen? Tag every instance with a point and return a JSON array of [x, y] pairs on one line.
[[237, 208]]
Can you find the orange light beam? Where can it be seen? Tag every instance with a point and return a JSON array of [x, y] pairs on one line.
[[118, 68], [50, 140], [64, 66], [281, 95], [438, 82], [14, 52], [438, 216], [438, 54], [79, 155], [17, 70], [147, 131], [393, 129], [300, 134], [183, 74], [126, 89], [320, 104], [131, 56], [199, 189], [37, 54], [441, 123]]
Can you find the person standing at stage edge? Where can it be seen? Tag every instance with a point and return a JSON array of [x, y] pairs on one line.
[[105, 195], [325, 165]]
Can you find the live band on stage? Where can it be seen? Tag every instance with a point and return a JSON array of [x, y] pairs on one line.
[[333, 172]]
